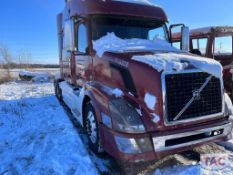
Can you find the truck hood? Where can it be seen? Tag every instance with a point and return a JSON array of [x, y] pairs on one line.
[[164, 57], [177, 62]]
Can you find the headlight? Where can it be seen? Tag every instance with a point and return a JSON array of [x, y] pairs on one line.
[[133, 146], [124, 117]]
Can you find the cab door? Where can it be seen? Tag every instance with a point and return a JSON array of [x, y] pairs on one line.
[[82, 57]]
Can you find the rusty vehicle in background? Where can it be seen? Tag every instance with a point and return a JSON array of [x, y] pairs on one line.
[[131, 107], [213, 42]]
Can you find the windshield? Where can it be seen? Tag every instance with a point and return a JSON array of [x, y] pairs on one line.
[[128, 28]]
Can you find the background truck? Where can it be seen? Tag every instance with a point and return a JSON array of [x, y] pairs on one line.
[[137, 97], [213, 42]]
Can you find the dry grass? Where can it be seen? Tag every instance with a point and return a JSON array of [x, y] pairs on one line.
[[4, 79], [6, 76]]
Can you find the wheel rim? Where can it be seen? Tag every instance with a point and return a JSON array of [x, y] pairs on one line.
[[91, 127]]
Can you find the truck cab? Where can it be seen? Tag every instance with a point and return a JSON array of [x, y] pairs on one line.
[[137, 97], [216, 43]]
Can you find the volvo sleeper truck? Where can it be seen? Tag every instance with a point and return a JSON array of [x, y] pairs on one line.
[[137, 97]]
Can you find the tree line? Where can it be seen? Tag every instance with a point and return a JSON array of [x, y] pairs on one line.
[[24, 61]]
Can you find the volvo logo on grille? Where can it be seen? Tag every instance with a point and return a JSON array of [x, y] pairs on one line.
[[197, 95]]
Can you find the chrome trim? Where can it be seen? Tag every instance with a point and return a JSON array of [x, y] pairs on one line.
[[166, 122], [161, 140]]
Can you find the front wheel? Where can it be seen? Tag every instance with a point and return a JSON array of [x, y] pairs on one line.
[[92, 129]]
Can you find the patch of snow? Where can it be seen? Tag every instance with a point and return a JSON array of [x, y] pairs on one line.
[[150, 100], [193, 170], [19, 90], [112, 91], [117, 92], [36, 135], [101, 164], [41, 78], [169, 62], [36, 76], [112, 43], [179, 170], [139, 111], [143, 2], [130, 93], [155, 118]]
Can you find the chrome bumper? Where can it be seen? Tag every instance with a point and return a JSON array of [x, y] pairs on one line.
[[161, 143]]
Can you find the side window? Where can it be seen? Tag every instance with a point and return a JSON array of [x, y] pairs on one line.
[[200, 44], [223, 45], [176, 45], [82, 38]]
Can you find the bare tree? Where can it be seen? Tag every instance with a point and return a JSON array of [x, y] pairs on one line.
[[7, 59], [28, 59], [24, 59]]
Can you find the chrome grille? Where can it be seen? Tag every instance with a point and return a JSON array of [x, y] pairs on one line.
[[180, 89]]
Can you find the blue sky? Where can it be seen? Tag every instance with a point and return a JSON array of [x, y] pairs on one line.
[[30, 25]]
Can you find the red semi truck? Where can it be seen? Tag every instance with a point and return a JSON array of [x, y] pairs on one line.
[[137, 97], [213, 42]]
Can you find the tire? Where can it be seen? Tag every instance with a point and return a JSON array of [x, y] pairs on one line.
[[58, 91], [92, 129]]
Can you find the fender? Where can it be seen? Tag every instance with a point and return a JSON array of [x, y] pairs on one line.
[[99, 99]]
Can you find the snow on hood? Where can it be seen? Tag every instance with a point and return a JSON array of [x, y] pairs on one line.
[[143, 2], [170, 62], [112, 43], [173, 59]]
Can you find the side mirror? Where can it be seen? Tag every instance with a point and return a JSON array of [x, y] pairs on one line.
[[185, 38], [69, 36], [182, 35]]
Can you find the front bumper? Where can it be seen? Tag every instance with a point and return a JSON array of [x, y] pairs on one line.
[[170, 142], [165, 144]]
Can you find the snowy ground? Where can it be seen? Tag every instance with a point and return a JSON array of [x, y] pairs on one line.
[[36, 136], [39, 136]]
